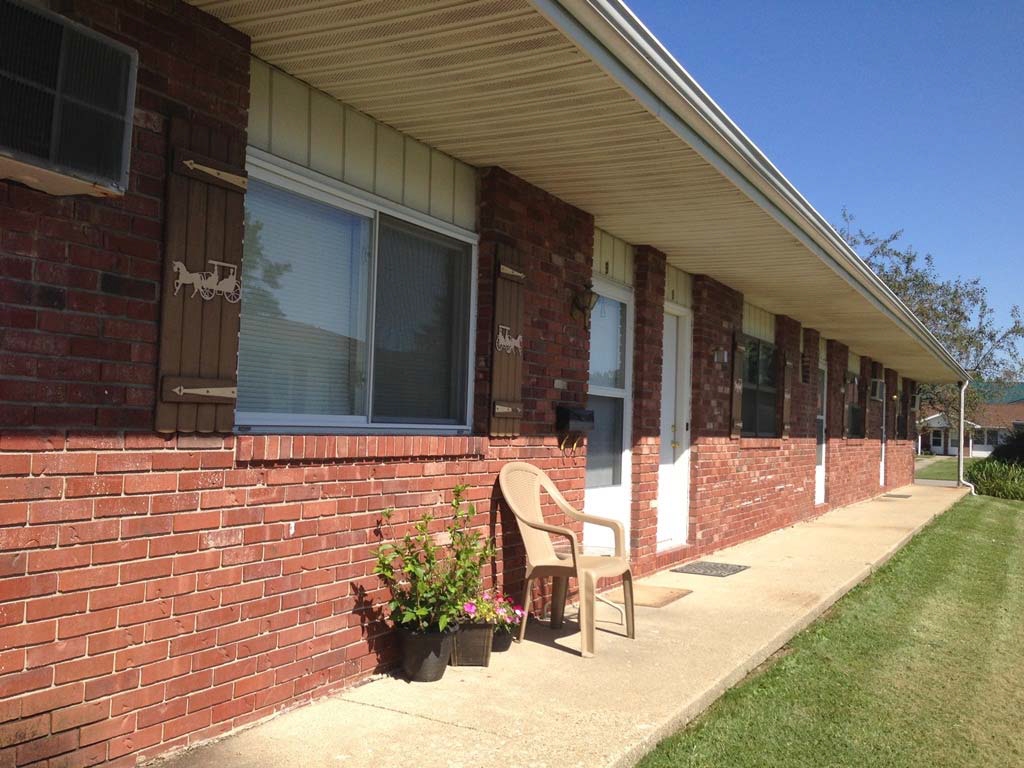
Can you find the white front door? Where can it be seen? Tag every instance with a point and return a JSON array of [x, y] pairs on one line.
[[607, 492], [674, 465], [819, 464]]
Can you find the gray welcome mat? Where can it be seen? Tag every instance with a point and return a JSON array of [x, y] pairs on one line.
[[707, 568]]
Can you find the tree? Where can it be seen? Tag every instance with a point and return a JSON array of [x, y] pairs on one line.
[[956, 310]]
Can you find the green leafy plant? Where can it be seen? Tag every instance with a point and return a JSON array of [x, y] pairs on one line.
[[992, 477], [431, 575]]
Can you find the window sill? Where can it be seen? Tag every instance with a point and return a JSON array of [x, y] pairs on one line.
[[347, 448]]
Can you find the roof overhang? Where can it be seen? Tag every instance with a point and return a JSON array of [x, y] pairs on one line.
[[581, 100]]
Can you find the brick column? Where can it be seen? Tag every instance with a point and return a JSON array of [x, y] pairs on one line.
[[717, 315], [649, 298]]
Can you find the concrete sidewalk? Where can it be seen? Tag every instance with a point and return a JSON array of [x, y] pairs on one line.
[[542, 705]]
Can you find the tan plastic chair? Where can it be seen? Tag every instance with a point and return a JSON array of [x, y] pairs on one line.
[[521, 484]]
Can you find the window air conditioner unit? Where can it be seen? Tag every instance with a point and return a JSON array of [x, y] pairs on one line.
[[67, 96], [877, 389]]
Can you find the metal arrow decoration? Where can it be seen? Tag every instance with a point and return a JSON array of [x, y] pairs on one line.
[[206, 391], [230, 178]]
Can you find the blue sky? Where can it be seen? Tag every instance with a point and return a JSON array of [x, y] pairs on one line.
[[909, 113]]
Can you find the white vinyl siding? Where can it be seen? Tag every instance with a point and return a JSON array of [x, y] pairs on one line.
[[679, 287], [758, 323], [613, 258], [292, 120]]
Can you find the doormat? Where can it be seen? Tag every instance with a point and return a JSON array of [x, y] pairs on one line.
[[707, 568], [649, 596], [896, 496]]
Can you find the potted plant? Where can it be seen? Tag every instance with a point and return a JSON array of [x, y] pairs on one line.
[[507, 616], [430, 578], [470, 551], [487, 625]]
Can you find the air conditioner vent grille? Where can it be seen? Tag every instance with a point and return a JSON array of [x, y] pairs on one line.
[[28, 41], [67, 95]]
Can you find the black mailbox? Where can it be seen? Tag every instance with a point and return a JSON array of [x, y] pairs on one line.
[[570, 418]]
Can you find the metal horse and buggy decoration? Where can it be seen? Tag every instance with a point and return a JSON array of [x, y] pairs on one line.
[[209, 284]]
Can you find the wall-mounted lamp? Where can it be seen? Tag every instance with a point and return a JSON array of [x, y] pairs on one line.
[[583, 303], [721, 356]]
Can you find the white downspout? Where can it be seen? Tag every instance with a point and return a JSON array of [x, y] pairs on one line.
[[960, 449]]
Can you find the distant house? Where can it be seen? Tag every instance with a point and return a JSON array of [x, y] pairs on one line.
[[993, 424]]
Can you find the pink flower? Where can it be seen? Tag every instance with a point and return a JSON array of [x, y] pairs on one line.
[[469, 608]]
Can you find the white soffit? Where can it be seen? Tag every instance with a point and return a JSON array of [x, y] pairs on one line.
[[496, 82]]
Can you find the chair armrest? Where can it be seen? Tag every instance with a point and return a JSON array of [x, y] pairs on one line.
[[557, 531], [615, 525], [617, 529]]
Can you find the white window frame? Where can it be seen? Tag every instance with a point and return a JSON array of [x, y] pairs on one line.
[[624, 294], [283, 174]]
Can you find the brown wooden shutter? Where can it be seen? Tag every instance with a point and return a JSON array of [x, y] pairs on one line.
[[507, 349], [199, 325], [787, 394], [739, 361], [847, 382]]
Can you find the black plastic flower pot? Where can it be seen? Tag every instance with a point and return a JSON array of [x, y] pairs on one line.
[[425, 655], [502, 640]]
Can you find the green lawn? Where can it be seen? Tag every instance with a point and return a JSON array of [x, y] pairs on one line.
[[922, 665], [941, 469]]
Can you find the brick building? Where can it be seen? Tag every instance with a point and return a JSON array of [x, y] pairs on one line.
[[362, 257]]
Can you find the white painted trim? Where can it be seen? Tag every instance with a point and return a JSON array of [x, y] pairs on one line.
[[684, 405], [277, 172], [611, 35], [623, 293], [261, 164]]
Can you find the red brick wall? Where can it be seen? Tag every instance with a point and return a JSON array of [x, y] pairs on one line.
[[160, 590], [851, 469], [899, 463], [742, 488], [649, 302], [79, 275], [717, 315], [555, 242], [745, 488]]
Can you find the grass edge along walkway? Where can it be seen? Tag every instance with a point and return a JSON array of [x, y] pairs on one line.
[[921, 665]]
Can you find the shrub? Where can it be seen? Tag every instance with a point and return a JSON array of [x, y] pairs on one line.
[[993, 477], [1012, 451]]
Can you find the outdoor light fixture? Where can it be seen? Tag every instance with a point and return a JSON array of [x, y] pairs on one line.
[[721, 356], [583, 302]]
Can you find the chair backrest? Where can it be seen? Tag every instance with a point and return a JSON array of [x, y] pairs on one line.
[[520, 485]]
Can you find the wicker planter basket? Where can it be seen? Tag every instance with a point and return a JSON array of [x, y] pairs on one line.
[[472, 647]]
